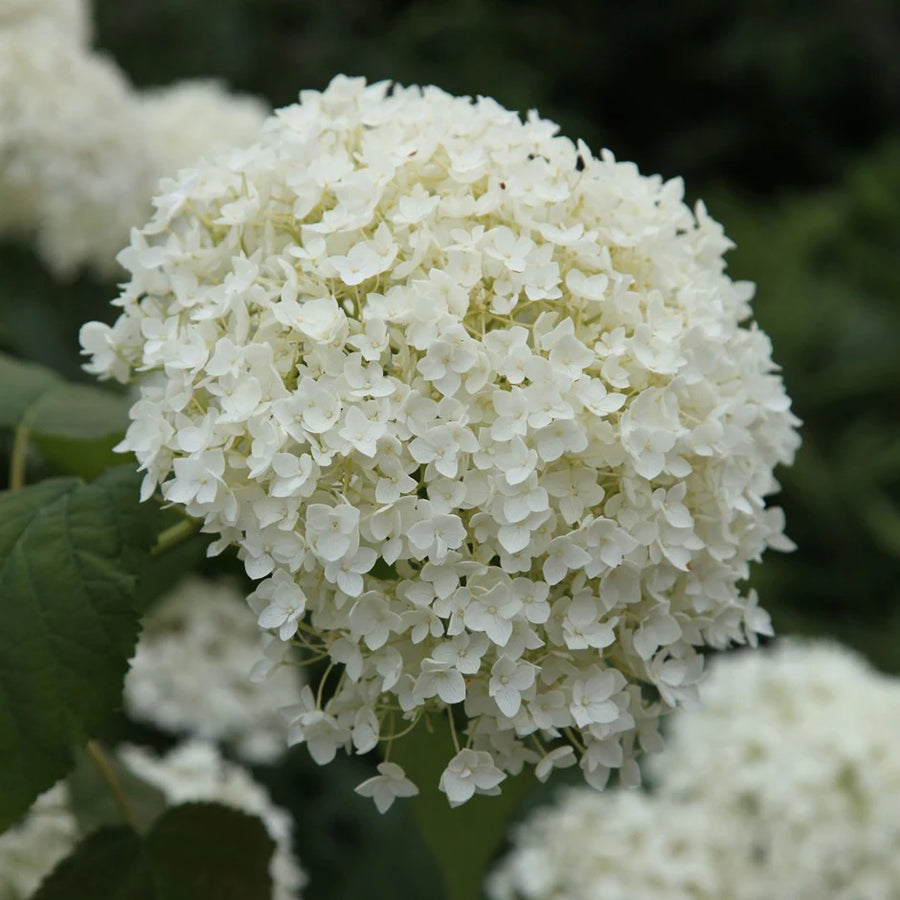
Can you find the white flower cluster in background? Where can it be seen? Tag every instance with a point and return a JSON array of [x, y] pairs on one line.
[[191, 672], [76, 172], [620, 845], [80, 150], [194, 771], [785, 785], [798, 748], [480, 409], [33, 847], [71, 17], [193, 119]]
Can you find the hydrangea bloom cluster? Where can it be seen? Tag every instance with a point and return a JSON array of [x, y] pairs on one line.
[[71, 17], [620, 845], [479, 409], [798, 748], [191, 672], [192, 772], [74, 170], [784, 785], [81, 150], [192, 119], [32, 848]]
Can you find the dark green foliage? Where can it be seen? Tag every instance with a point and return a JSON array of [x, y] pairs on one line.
[[74, 425], [766, 93], [198, 851], [829, 297], [70, 557]]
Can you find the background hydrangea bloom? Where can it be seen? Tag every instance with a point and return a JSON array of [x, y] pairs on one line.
[[619, 845], [75, 170], [70, 17], [82, 150], [192, 119], [30, 849], [481, 408], [784, 785], [191, 672]]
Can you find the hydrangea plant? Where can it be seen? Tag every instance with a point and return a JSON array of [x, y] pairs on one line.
[[481, 410]]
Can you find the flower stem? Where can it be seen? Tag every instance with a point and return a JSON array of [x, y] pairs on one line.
[[175, 535], [17, 460], [452, 728], [109, 776]]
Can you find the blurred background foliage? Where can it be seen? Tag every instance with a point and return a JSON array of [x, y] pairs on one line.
[[784, 117]]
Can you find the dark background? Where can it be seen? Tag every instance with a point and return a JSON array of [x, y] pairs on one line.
[[782, 116]]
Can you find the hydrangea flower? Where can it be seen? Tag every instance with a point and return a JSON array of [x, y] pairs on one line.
[[192, 670], [619, 845], [31, 849], [784, 785], [192, 119], [82, 150], [390, 782], [71, 18], [193, 771], [796, 746], [482, 409], [75, 174]]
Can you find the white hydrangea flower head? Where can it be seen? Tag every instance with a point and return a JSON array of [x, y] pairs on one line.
[[482, 409], [191, 672], [31, 849], [82, 151], [784, 785], [71, 18], [76, 172], [194, 771], [192, 119], [619, 845], [797, 747]]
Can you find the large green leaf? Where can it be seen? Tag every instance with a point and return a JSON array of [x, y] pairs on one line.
[[463, 840], [74, 425], [70, 557], [37, 398], [198, 851], [110, 863]]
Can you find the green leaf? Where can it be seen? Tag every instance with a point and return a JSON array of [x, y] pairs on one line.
[[86, 459], [38, 399], [197, 851], [110, 863], [463, 840], [70, 557], [202, 850], [75, 426], [94, 804]]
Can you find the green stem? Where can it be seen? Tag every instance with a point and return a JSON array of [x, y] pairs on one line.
[[109, 776], [17, 461], [175, 535]]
